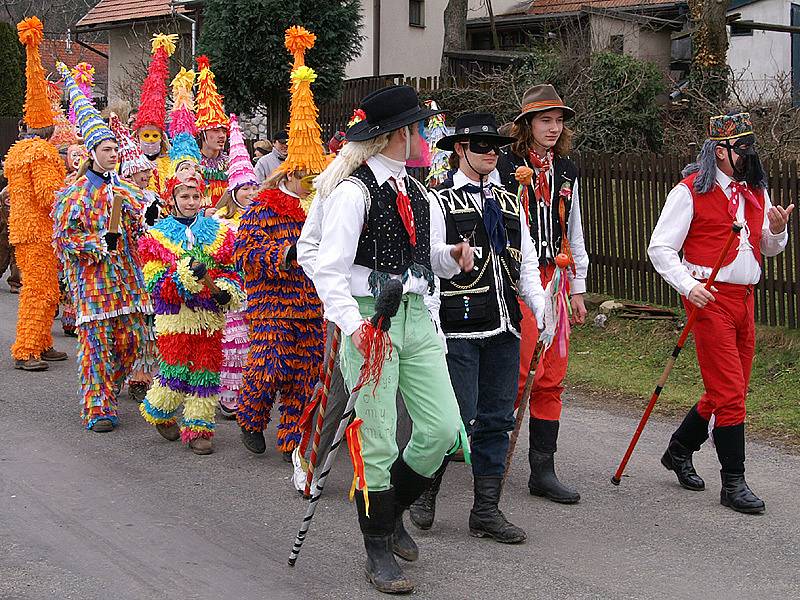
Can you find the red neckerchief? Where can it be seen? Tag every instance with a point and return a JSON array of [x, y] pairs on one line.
[[404, 208], [738, 191], [542, 188]]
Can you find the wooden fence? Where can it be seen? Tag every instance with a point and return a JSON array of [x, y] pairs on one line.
[[621, 198]]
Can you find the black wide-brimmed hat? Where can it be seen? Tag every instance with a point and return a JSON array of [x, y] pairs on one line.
[[474, 125], [388, 109]]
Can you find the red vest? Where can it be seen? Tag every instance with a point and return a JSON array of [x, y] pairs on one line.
[[711, 225]]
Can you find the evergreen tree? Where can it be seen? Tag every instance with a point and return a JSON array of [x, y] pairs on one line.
[[12, 66], [245, 41]]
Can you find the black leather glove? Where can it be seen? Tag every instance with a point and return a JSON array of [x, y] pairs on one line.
[[111, 240], [291, 254], [222, 297], [198, 269], [151, 214]]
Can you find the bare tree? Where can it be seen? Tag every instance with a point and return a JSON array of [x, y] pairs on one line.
[[455, 32]]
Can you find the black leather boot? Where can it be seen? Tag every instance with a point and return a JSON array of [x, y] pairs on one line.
[[735, 492], [686, 440], [254, 441], [382, 570], [543, 480], [486, 519], [423, 510], [408, 486]]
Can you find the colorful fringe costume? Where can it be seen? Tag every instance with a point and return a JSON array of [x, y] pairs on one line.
[[189, 322], [211, 115], [35, 172], [285, 315]]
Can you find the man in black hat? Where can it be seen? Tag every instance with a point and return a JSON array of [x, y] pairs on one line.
[[376, 226], [480, 313], [266, 165]]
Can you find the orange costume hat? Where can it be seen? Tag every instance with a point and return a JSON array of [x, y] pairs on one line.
[[38, 113], [210, 111]]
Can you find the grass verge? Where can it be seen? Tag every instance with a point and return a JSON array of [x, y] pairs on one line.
[[621, 363]]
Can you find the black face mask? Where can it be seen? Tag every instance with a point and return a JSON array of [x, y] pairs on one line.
[[483, 146], [744, 159]]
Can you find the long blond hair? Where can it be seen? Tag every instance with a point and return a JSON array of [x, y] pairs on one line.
[[348, 160]]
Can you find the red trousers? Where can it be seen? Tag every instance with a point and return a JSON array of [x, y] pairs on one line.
[[545, 400], [724, 335]]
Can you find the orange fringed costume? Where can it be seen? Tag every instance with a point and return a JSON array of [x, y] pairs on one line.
[[35, 172]]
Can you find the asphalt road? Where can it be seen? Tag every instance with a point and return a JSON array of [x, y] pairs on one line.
[[128, 515]]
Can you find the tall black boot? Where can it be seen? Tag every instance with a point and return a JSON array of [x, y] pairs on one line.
[[543, 480], [686, 440], [408, 486], [423, 510], [735, 492], [486, 519], [382, 570]]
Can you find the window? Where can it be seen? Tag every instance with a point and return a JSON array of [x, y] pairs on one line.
[[416, 13], [616, 44]]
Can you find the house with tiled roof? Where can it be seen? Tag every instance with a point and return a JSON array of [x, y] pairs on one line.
[[68, 51]]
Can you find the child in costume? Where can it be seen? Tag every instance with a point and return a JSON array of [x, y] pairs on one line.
[[35, 172], [188, 264], [137, 169], [284, 311], [212, 127], [101, 265], [242, 189]]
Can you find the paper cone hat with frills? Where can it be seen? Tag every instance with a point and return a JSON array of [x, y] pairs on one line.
[[153, 100], [83, 74], [91, 126], [38, 113], [182, 129], [64, 134], [305, 151], [210, 111], [240, 169], [131, 158]]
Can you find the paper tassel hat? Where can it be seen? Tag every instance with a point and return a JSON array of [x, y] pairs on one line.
[[38, 113], [153, 100], [131, 158], [182, 129], [305, 151], [91, 126], [240, 169], [83, 74], [64, 134], [210, 111]]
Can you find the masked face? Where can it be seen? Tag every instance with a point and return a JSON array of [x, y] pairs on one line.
[[150, 141], [744, 160], [75, 156], [188, 173]]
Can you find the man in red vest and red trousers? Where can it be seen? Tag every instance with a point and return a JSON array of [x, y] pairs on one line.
[[726, 184]]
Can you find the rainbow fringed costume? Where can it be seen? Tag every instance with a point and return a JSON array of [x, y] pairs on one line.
[[215, 175], [108, 287], [285, 317], [189, 322]]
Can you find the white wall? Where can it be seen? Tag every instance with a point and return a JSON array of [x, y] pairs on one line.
[[756, 60]]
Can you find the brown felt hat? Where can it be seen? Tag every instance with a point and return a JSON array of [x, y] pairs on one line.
[[540, 98]]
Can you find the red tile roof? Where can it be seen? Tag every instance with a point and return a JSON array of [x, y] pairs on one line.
[[56, 49], [553, 7], [108, 12]]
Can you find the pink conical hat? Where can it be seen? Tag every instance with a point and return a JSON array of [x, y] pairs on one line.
[[240, 169]]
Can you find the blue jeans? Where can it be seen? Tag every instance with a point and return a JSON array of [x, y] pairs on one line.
[[484, 375]]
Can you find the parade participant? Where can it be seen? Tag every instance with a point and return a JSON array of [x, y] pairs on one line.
[[212, 128], [188, 265], [242, 189], [480, 313], [549, 192], [101, 265], [376, 226], [267, 165], [35, 172], [149, 125], [136, 168], [283, 310], [726, 184]]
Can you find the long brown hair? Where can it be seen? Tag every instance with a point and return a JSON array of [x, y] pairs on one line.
[[524, 134]]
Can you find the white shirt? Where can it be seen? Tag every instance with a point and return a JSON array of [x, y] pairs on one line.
[[530, 285], [574, 231], [673, 226], [337, 279]]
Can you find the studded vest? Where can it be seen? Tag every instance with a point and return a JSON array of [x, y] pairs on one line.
[[476, 302], [384, 244]]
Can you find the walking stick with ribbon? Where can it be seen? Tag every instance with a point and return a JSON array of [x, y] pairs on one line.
[[616, 478], [386, 307]]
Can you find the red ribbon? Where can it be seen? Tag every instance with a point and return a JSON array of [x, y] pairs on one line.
[[404, 208], [542, 188], [354, 445]]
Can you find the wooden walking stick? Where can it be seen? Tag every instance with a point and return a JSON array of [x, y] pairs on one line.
[[206, 279], [386, 307], [616, 478]]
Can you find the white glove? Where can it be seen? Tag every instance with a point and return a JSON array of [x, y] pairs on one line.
[[538, 310]]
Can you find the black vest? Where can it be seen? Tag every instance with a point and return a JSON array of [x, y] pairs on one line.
[[472, 302], [565, 174], [384, 245]]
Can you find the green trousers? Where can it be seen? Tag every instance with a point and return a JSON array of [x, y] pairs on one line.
[[418, 367]]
